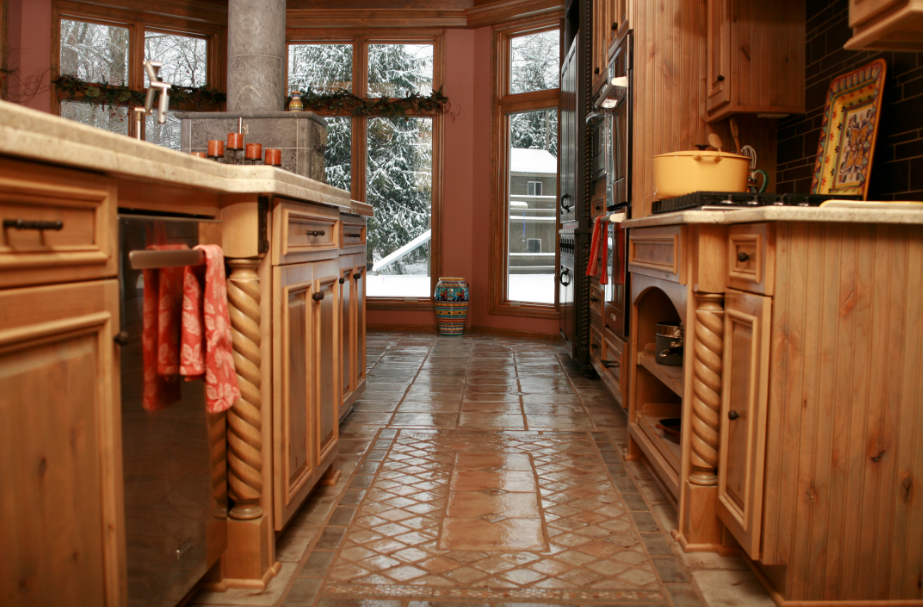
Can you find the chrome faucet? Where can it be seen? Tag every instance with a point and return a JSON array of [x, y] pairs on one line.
[[153, 68]]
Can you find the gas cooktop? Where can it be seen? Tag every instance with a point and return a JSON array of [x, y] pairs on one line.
[[713, 201]]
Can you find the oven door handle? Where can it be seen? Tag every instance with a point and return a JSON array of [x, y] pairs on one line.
[[564, 272], [564, 206]]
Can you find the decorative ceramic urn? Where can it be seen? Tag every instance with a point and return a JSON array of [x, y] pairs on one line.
[[451, 297], [295, 105]]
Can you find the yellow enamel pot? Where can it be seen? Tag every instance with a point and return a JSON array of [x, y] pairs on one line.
[[679, 173]]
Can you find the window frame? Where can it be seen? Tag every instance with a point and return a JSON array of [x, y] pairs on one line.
[[137, 23], [360, 39], [503, 104]]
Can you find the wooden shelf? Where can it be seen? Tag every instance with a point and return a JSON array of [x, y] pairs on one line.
[[668, 449], [660, 466], [671, 377]]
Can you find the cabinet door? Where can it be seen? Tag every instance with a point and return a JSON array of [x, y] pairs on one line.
[[743, 416], [294, 463], [326, 373], [360, 322], [60, 447], [347, 333], [718, 53]]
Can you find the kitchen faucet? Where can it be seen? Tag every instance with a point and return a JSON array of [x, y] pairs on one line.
[[152, 68]]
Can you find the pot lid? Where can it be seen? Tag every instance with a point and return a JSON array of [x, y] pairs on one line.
[[703, 153]]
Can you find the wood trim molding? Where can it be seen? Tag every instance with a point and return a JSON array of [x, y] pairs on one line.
[[307, 18], [153, 10], [433, 328], [502, 11], [384, 328], [382, 303]]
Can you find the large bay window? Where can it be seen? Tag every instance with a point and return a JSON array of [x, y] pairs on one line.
[[524, 221], [386, 160]]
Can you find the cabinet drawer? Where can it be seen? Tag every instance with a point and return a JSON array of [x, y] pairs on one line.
[[58, 225], [597, 300], [613, 363], [751, 258], [657, 252], [301, 230], [353, 233]]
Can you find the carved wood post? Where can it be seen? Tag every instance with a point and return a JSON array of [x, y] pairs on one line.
[[245, 441], [218, 448], [706, 399]]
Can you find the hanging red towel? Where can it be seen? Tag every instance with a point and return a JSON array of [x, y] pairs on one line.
[[207, 351], [599, 244], [160, 337]]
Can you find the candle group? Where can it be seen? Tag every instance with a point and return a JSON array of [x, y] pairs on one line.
[[235, 141], [254, 151], [215, 148], [273, 157]]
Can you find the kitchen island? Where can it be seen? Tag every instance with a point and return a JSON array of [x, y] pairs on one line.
[[799, 396], [296, 252]]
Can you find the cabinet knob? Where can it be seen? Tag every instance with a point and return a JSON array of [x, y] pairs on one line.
[[615, 25], [742, 257], [359, 276], [596, 71], [315, 232], [594, 346], [732, 415], [318, 296], [342, 280], [720, 78], [121, 338]]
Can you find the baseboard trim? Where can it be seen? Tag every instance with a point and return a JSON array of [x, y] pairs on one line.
[[468, 329]]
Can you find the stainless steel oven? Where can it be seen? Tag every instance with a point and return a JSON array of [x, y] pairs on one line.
[[616, 291], [615, 99]]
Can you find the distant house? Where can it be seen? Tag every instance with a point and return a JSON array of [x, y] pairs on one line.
[[533, 208]]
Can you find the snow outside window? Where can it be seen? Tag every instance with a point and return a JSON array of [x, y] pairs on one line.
[[533, 166], [535, 62], [397, 70], [324, 68]]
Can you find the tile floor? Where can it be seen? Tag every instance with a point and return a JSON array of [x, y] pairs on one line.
[[487, 471]]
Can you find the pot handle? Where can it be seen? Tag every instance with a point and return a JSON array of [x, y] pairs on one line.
[[701, 157]]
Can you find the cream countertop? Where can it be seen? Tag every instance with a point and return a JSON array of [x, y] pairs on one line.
[[30, 134], [761, 214]]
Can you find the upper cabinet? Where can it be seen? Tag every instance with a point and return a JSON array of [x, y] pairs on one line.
[[755, 58], [610, 22], [890, 25]]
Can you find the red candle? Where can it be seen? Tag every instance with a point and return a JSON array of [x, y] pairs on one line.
[[215, 148], [200, 154], [273, 157], [235, 141], [254, 151]]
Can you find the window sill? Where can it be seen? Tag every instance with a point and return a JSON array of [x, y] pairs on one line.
[[527, 310], [388, 303]]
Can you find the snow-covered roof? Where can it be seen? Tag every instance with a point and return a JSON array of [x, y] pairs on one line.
[[532, 161]]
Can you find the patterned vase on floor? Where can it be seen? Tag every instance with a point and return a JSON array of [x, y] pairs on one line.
[[451, 296]]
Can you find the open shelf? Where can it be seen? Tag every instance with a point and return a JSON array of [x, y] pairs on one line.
[[671, 377], [668, 449], [666, 475]]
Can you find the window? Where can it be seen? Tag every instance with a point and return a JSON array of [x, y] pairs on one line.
[[524, 210], [101, 49], [387, 161]]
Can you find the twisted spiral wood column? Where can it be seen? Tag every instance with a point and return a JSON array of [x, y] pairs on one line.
[[245, 439], [218, 458], [706, 398]]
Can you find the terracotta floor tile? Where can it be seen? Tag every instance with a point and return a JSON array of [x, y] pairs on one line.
[[559, 422], [416, 406], [507, 407], [506, 461], [480, 480], [491, 420], [471, 504], [491, 398], [477, 534], [424, 419]]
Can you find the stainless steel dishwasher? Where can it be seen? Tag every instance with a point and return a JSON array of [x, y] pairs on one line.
[[175, 500]]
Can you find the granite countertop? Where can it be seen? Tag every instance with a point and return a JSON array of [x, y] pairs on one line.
[[30, 134], [809, 214]]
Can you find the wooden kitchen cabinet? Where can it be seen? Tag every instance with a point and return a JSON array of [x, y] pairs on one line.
[[63, 533], [352, 333], [306, 379], [747, 320], [754, 58], [888, 25]]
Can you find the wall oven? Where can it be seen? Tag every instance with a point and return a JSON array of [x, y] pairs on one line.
[[614, 100]]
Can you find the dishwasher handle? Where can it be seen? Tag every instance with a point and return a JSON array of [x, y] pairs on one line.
[[151, 260]]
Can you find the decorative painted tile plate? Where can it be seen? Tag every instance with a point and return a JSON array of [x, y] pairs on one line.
[[848, 131]]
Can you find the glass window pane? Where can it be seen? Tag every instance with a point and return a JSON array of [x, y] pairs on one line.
[[94, 53], [396, 70], [535, 62], [532, 204], [400, 187], [184, 58], [166, 134], [109, 118], [338, 154], [324, 68]]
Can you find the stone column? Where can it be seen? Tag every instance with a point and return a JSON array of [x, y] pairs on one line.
[[256, 55]]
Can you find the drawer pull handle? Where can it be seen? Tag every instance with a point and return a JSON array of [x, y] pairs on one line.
[[732, 415], [318, 296], [25, 224], [610, 364], [315, 232], [742, 257], [342, 280], [121, 338]]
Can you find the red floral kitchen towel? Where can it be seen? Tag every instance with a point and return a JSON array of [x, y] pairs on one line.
[[207, 351], [600, 241], [160, 336]]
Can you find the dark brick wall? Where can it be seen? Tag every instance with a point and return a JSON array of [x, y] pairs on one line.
[[897, 167]]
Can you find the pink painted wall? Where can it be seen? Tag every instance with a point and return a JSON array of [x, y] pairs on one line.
[[466, 202], [29, 31]]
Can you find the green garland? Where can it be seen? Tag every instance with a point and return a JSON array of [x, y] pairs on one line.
[[344, 102], [105, 94]]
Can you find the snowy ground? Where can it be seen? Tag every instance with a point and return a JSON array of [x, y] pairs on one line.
[[532, 288]]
